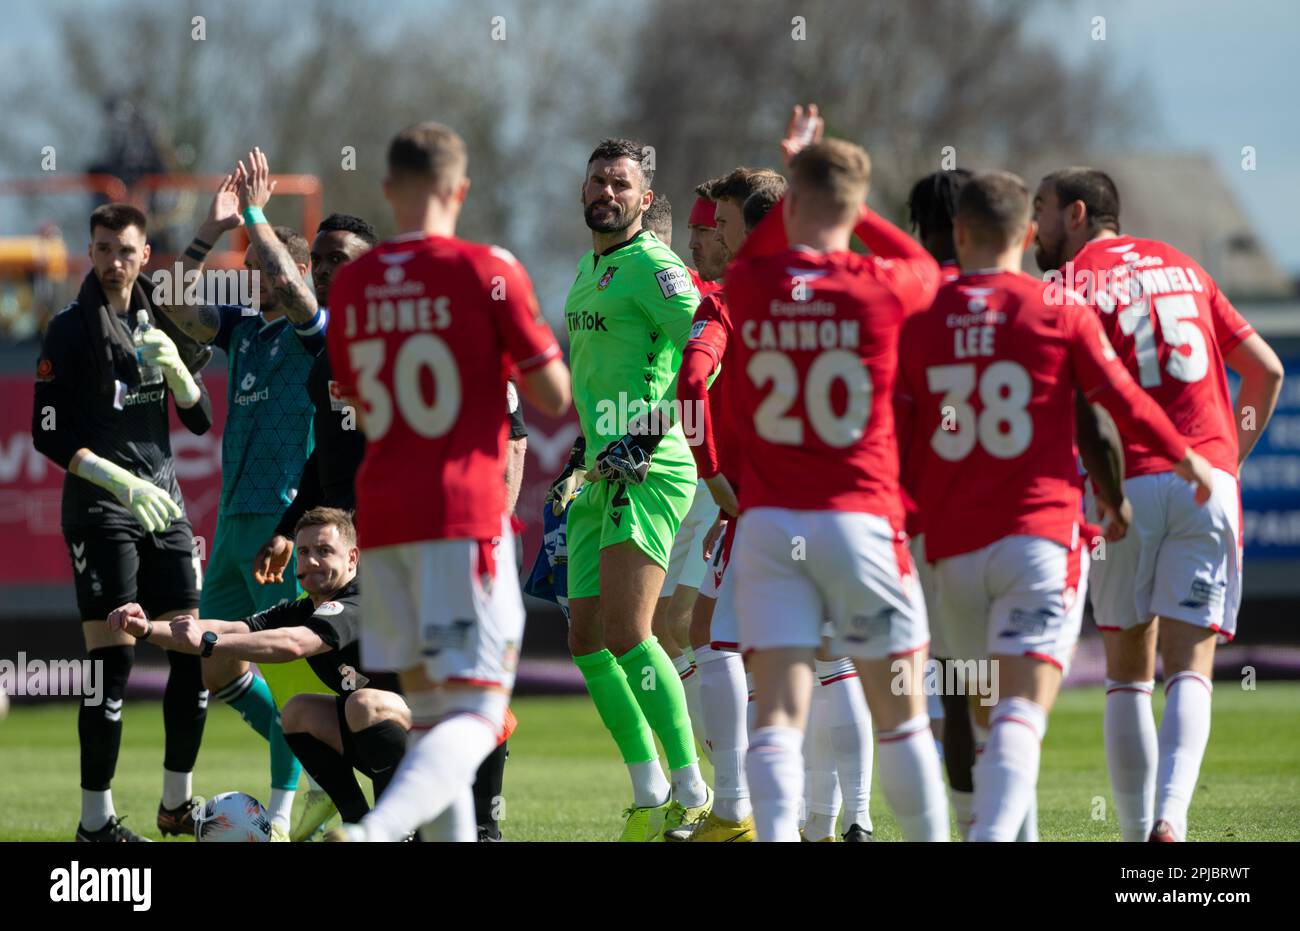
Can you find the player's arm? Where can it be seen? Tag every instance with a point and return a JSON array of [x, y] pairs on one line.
[[202, 322], [1261, 374], [543, 377], [1102, 453], [701, 359], [131, 619], [292, 291], [62, 379], [1105, 381], [912, 273]]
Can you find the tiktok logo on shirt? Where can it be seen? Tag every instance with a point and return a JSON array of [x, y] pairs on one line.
[[585, 320]]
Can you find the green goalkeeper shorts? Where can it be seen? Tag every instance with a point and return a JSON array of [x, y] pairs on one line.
[[647, 514]]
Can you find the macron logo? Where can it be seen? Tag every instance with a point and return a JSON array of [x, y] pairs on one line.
[[134, 885]]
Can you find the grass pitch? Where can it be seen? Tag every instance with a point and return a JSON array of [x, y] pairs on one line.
[[564, 781]]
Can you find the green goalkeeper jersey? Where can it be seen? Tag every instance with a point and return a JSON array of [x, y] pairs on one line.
[[629, 315]]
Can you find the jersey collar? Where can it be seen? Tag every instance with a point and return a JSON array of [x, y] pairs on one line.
[[623, 245]]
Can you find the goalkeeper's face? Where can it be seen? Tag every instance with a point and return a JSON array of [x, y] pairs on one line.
[[613, 195], [325, 561]]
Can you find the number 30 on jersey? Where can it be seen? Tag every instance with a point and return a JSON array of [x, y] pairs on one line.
[[420, 352]]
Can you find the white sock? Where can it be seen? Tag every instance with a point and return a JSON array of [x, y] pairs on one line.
[[689, 675], [723, 695], [963, 807], [688, 785], [912, 782], [178, 788], [1028, 833], [457, 823], [96, 808], [821, 784], [1008, 769], [751, 710], [980, 739], [849, 724], [1129, 727], [774, 765], [436, 770], [1184, 732], [281, 807], [649, 787]]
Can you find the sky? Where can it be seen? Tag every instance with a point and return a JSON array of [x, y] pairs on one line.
[[1219, 75]]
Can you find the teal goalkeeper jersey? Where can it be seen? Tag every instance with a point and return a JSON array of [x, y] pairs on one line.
[[629, 315], [268, 432]]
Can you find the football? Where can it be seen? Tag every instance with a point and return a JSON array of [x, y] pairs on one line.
[[232, 818]]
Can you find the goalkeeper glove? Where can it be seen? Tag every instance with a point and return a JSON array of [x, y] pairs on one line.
[[159, 350], [626, 460], [566, 485], [149, 504]]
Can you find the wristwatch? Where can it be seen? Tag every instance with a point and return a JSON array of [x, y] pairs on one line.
[[209, 641]]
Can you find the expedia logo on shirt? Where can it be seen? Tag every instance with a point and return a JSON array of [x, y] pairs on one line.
[[585, 320]]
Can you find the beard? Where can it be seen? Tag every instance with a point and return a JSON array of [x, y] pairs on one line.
[[611, 220], [1049, 256]]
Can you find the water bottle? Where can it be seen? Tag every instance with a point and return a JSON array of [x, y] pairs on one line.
[[149, 374]]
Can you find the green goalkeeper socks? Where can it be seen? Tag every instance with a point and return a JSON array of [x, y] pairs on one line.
[[658, 690], [617, 706]]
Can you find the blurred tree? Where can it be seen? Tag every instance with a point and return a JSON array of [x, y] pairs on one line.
[[903, 79]]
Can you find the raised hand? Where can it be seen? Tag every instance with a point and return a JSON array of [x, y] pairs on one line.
[[223, 212], [805, 128], [256, 187]]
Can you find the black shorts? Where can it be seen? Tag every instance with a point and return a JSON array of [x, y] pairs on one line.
[[114, 565]]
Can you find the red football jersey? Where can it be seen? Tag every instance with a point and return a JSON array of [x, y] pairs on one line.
[[714, 445], [1172, 327], [987, 379], [915, 445], [424, 331], [816, 353], [705, 288]]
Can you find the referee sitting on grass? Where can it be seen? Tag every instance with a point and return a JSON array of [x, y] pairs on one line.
[[123, 516], [363, 725]]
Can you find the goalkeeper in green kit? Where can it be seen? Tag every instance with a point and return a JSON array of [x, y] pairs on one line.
[[629, 315]]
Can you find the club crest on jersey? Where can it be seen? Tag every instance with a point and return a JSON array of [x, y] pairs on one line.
[[606, 278]]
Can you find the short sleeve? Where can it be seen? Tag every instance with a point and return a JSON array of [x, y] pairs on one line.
[[281, 615], [231, 316], [336, 623], [709, 329], [667, 296], [526, 336], [1230, 327]]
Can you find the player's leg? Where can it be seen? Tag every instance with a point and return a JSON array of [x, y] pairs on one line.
[[630, 582], [848, 727], [105, 563], [783, 680], [725, 697], [865, 573], [376, 724], [955, 732], [458, 697], [822, 798], [605, 680], [489, 798], [1038, 588], [637, 529], [226, 596], [685, 573], [1196, 594], [779, 611], [312, 728], [1129, 639], [169, 583]]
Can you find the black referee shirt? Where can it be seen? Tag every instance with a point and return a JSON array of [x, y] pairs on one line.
[[338, 623]]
